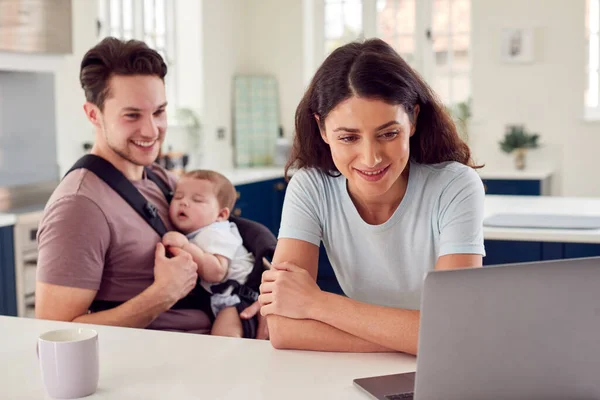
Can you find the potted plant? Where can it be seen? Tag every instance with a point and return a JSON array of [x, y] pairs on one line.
[[461, 113], [517, 140]]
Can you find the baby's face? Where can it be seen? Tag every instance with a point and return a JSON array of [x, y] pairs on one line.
[[194, 205]]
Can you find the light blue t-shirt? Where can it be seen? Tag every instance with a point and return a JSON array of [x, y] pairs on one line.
[[441, 213]]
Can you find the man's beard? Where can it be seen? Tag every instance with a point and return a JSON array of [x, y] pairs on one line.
[[124, 154]]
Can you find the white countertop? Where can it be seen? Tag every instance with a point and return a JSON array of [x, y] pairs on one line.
[[526, 174], [542, 205], [241, 176], [7, 219], [144, 364]]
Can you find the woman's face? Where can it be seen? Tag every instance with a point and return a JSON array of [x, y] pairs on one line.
[[369, 142]]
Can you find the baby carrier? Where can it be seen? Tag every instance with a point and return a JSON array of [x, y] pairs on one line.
[[257, 238]]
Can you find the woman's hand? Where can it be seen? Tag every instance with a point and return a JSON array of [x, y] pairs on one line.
[[262, 331], [289, 291]]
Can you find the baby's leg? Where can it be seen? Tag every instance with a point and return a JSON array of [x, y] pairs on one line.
[[228, 323]]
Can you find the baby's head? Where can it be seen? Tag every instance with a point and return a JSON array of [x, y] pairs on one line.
[[201, 198]]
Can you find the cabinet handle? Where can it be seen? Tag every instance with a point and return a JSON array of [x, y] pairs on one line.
[[280, 186], [237, 212], [484, 188], [238, 195]]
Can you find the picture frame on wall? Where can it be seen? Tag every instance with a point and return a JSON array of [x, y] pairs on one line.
[[517, 46]]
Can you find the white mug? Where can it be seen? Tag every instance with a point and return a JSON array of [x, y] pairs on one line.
[[69, 362]]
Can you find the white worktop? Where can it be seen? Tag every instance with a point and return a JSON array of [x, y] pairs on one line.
[[144, 364], [241, 176], [542, 205], [515, 174], [7, 219]]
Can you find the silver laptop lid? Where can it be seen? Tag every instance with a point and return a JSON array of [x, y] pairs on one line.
[[522, 331]]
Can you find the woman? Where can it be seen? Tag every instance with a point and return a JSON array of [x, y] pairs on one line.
[[387, 184]]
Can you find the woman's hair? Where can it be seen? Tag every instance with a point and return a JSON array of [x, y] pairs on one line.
[[113, 56], [373, 70], [224, 189]]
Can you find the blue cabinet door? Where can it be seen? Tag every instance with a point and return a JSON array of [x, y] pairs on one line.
[[516, 187], [8, 292], [508, 252], [279, 187], [258, 202], [578, 250]]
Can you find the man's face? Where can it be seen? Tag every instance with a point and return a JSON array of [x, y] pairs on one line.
[[134, 120]]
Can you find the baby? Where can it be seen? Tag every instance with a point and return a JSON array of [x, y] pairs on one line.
[[200, 210]]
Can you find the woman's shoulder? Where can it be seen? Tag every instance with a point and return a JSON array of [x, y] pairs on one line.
[[450, 173], [313, 178], [447, 170]]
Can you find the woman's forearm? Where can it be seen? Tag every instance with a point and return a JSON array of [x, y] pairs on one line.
[[306, 334], [387, 327]]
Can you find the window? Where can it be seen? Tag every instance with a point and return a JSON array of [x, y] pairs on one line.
[[592, 22], [147, 20], [343, 22], [433, 36]]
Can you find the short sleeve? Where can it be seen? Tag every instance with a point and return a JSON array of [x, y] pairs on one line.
[[461, 215], [73, 239], [300, 218], [214, 240]]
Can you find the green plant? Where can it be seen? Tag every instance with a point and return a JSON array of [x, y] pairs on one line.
[[461, 113], [517, 137]]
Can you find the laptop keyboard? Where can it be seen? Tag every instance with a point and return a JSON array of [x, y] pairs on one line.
[[400, 396]]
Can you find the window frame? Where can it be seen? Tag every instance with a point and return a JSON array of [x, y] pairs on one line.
[[592, 112], [139, 31], [424, 56]]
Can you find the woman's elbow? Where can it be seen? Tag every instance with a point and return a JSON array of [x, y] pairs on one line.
[[277, 333]]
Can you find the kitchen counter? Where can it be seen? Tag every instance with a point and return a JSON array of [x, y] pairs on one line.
[[7, 220], [147, 364], [241, 176], [514, 174], [542, 205]]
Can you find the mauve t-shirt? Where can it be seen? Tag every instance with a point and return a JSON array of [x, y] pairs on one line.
[[91, 238]]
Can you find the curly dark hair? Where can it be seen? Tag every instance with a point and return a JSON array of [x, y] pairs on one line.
[[373, 70], [113, 56]]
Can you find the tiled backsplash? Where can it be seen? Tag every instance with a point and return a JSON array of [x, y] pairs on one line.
[[27, 128]]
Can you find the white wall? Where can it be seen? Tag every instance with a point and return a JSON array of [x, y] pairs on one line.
[[274, 44], [72, 127], [222, 38], [546, 96]]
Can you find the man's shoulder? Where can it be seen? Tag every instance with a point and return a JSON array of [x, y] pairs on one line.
[[79, 183]]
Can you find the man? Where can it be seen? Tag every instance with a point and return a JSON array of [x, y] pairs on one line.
[[93, 246]]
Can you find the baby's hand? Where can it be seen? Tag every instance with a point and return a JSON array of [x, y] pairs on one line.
[[174, 239]]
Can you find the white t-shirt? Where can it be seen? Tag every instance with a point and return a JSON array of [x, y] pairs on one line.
[[223, 238], [441, 213]]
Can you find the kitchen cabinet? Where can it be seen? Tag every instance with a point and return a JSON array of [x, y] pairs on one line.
[[513, 251], [262, 202], [517, 183], [529, 187], [8, 294]]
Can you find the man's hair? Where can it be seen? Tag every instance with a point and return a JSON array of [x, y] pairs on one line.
[[111, 57], [224, 189]]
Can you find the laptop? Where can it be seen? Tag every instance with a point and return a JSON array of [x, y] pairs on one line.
[[519, 331]]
